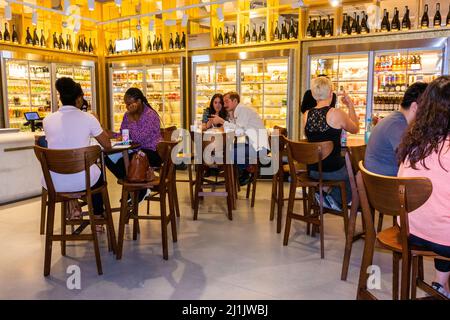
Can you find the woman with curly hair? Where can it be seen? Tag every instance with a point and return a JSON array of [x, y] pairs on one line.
[[424, 152], [215, 108]]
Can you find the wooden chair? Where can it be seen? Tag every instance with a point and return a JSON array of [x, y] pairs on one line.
[[352, 158], [163, 186], [307, 153], [41, 142], [395, 197], [68, 162], [227, 170]]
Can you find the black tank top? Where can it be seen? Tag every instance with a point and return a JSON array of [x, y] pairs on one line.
[[318, 130]]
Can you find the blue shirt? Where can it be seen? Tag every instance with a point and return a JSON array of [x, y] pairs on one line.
[[381, 152]]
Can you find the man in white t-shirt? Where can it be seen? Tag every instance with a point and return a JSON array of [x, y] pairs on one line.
[[244, 121], [70, 128]]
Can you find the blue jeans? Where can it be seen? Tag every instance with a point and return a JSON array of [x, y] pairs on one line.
[[440, 265], [335, 192]]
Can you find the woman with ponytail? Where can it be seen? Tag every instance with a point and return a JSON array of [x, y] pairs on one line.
[[143, 124]]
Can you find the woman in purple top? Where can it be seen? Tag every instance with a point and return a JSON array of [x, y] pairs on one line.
[[143, 124]]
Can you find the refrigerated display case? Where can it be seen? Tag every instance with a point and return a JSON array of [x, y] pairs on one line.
[[83, 75], [161, 83], [376, 71], [348, 73], [264, 83], [28, 88]]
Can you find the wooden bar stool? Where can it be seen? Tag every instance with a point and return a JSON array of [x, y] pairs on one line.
[[307, 153], [221, 143], [72, 161], [161, 186], [395, 197]]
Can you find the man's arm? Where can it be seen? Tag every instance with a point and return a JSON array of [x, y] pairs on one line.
[[104, 141]]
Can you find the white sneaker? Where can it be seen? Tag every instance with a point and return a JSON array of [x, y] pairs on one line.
[[439, 288]]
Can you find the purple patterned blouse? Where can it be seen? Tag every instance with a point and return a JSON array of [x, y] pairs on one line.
[[145, 131]]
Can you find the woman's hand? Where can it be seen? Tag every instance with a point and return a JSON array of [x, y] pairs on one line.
[[347, 100]]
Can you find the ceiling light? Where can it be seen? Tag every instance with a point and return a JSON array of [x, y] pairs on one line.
[[184, 21], [118, 2], [151, 26], [335, 3], [220, 14], [8, 12], [91, 5], [34, 18]]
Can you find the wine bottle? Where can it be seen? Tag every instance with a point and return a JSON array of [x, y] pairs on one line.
[[15, 35], [233, 36], [85, 45], [262, 35], [448, 17], [395, 24], [148, 46], [1, 35], [220, 38], [42, 41], [332, 27], [68, 42], [345, 27], [354, 29], [110, 47], [55, 41], [284, 34], [425, 21], [35, 38], [161, 47], [226, 40], [292, 30], [254, 34], [437, 16], [91, 48], [61, 43], [309, 29], [183, 41], [177, 41], [28, 39], [276, 33], [385, 24], [364, 26], [319, 30], [247, 35], [156, 44], [171, 44], [6, 35], [328, 27], [406, 23]]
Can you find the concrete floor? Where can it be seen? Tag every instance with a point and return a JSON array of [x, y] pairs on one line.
[[213, 259]]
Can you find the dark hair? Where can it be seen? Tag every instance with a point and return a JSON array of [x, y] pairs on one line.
[[137, 94], [222, 113], [68, 91], [413, 94], [233, 96], [431, 127]]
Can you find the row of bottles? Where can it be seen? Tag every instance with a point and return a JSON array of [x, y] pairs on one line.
[[227, 39], [320, 28], [155, 45], [6, 36], [437, 20], [35, 40], [395, 24], [395, 82], [387, 102], [398, 63], [352, 25], [287, 32]]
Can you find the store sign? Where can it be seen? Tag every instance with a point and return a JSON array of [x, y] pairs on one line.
[[199, 41], [125, 45]]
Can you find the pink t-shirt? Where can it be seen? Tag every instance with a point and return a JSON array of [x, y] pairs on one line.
[[432, 220]]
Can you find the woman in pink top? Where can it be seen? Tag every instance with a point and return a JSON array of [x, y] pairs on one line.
[[424, 152]]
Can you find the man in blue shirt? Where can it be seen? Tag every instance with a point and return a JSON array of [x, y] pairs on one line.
[[381, 152]]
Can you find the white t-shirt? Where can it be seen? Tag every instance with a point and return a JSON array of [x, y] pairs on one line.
[[71, 128]]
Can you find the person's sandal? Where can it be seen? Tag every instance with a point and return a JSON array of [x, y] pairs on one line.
[[440, 288]]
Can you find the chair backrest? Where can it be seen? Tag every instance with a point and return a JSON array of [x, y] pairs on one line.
[[224, 143], [279, 151], [166, 133], [164, 149], [282, 131], [393, 195], [355, 155], [66, 161]]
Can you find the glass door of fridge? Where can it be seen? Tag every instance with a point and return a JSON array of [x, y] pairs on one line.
[[119, 85], [83, 75], [17, 92], [275, 100], [40, 88], [352, 78], [226, 80], [205, 87], [252, 84], [324, 65], [154, 88], [172, 96]]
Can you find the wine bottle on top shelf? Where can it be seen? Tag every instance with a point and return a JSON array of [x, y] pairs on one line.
[[291, 30], [233, 36], [171, 44], [328, 27], [29, 38], [355, 24], [155, 43], [148, 46], [437, 20], [183, 41], [364, 26], [177, 41], [226, 40], [263, 35], [161, 47], [61, 43], [247, 35], [276, 32], [284, 34], [319, 27], [406, 22], [6, 35], [220, 38], [15, 35], [395, 25], [1, 35], [254, 34], [35, 38], [309, 29], [91, 47], [55, 41], [345, 26], [110, 47], [385, 24], [42, 41], [68, 42], [85, 45], [448, 17], [425, 21]]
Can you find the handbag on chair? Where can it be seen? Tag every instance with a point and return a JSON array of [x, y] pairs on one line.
[[139, 169]]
